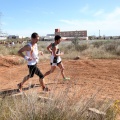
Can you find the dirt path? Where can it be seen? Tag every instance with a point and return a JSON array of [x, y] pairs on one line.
[[87, 76]]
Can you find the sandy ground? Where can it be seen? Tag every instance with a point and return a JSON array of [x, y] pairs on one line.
[[87, 76]]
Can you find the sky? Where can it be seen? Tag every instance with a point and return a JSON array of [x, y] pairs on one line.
[[23, 17]]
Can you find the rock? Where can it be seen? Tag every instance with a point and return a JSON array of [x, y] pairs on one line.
[[94, 110], [77, 58]]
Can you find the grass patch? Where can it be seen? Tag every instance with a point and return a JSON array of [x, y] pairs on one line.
[[61, 107], [107, 49]]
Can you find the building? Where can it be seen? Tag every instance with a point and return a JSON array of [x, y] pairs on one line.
[[3, 36], [13, 37], [50, 34], [81, 34], [48, 38]]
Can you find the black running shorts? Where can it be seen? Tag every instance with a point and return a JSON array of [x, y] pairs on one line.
[[33, 69], [55, 64]]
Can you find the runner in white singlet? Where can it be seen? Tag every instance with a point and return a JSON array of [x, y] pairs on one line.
[[32, 58]]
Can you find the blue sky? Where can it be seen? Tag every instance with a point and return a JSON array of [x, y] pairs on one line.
[[22, 17]]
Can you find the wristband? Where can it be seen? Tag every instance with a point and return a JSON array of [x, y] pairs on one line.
[[26, 57]]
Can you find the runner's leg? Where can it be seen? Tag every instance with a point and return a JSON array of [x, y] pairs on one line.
[[60, 65], [41, 80], [21, 83], [31, 74], [50, 71]]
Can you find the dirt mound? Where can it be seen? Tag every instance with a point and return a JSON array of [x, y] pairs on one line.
[[8, 61]]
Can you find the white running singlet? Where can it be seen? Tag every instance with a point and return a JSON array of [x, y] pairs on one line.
[[54, 60], [33, 54]]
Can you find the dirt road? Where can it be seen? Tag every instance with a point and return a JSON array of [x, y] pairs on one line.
[[87, 76]]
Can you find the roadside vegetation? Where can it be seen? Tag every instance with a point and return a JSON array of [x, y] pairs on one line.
[[104, 49], [100, 49], [59, 106]]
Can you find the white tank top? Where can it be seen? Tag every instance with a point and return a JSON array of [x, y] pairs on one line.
[[32, 54], [58, 57]]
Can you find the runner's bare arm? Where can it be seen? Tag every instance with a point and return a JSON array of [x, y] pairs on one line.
[[63, 39], [23, 49], [49, 48]]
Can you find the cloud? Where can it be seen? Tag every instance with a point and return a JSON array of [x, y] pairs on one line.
[[84, 9], [109, 24], [99, 12], [115, 14]]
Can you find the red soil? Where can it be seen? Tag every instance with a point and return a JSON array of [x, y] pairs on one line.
[[87, 76]]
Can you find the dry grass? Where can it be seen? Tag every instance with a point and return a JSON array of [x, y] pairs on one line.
[[61, 106], [109, 49]]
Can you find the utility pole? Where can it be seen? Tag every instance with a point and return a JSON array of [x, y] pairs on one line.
[[99, 33]]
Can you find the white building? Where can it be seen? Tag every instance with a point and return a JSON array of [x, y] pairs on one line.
[[3, 36], [12, 37], [49, 38]]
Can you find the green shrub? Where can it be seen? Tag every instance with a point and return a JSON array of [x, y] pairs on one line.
[[97, 44], [98, 49], [75, 41], [118, 50], [81, 47]]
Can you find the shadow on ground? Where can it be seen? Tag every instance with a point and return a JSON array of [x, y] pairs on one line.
[[9, 92]]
